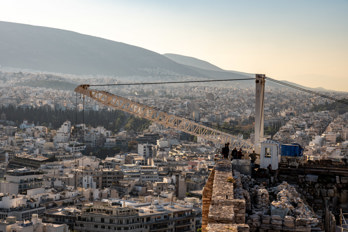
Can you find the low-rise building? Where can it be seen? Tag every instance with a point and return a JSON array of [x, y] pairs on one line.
[[20, 207], [35, 225], [111, 216], [20, 180], [104, 217]]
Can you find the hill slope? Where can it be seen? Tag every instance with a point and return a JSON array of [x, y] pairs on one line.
[[55, 50], [59, 51], [191, 61]]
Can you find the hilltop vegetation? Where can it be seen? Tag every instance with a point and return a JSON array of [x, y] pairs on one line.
[[111, 120]]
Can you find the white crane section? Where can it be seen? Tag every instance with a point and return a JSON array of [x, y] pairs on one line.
[[259, 111], [167, 120]]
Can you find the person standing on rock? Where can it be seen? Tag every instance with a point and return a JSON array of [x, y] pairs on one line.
[[234, 153], [252, 158], [225, 150], [239, 154]]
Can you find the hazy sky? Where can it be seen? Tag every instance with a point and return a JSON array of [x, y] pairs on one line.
[[304, 41]]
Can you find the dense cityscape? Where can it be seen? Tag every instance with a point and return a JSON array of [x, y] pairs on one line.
[[146, 178], [173, 116]]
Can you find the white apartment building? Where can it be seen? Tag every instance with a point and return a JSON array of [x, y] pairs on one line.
[[149, 173], [21, 180], [63, 133], [146, 150], [19, 207]]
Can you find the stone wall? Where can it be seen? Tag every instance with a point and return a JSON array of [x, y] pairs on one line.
[[206, 199], [225, 213]]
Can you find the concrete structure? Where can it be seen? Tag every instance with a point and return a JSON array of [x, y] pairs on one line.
[[63, 133], [35, 225], [104, 217], [19, 207], [29, 161], [259, 110], [75, 147], [270, 154], [167, 217], [149, 173], [111, 216], [180, 186], [66, 215], [89, 177], [146, 150], [26, 125], [20, 180]]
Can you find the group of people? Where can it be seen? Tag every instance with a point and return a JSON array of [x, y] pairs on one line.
[[236, 154]]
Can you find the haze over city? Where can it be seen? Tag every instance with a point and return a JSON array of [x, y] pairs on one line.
[[299, 41]]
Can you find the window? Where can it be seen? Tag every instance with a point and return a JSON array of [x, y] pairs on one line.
[[267, 152]]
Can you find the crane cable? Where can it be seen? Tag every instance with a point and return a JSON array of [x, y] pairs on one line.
[[343, 101], [173, 82]]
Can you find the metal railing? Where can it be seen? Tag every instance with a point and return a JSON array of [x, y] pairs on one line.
[[343, 221]]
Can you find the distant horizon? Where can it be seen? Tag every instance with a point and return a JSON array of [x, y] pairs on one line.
[[58, 73], [297, 41]]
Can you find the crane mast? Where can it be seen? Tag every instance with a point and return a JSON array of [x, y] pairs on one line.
[[160, 117]]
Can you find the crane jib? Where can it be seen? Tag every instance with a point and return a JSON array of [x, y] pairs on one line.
[[163, 118]]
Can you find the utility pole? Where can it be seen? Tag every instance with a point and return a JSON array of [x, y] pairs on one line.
[[259, 111]]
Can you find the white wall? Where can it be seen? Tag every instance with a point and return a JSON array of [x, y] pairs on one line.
[[7, 187], [32, 192], [273, 148], [10, 202]]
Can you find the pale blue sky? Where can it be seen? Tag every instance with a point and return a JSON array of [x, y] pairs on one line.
[[304, 41]]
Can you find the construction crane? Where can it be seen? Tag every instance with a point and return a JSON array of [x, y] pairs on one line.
[[163, 118]]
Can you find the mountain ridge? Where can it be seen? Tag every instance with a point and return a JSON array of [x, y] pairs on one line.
[[192, 61], [52, 50], [62, 51]]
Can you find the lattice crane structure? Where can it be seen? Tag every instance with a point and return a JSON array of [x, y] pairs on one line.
[[163, 118]]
